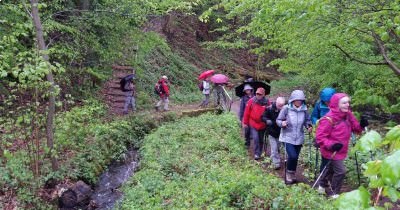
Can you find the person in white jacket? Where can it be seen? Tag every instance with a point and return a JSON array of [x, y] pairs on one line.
[[206, 92]]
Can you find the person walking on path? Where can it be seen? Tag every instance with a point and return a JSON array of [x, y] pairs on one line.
[[321, 107], [206, 92], [218, 91], [243, 101], [293, 118], [270, 115], [163, 93], [252, 118], [130, 97], [333, 136]]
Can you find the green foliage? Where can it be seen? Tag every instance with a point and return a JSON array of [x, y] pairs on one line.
[[356, 199], [201, 163], [383, 171], [369, 142], [153, 59], [326, 43]]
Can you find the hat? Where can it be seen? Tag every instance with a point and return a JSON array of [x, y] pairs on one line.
[[247, 87], [164, 77], [261, 90]]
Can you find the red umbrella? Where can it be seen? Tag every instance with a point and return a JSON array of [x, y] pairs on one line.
[[219, 79], [206, 74]]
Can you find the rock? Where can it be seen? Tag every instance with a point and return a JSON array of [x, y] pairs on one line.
[[76, 196]]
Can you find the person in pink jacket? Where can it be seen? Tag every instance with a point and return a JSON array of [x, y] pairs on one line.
[[333, 135]]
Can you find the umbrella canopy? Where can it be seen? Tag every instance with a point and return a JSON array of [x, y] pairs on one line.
[[206, 74], [129, 77], [256, 84], [219, 79]]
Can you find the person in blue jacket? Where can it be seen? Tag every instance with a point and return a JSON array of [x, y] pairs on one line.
[[321, 107]]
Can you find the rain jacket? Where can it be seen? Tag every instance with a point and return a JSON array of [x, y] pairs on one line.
[[206, 87], [243, 102], [253, 112], [297, 119], [271, 113], [320, 110], [164, 84], [320, 107], [336, 127]]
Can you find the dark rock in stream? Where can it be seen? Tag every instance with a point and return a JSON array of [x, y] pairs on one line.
[[76, 196], [106, 194]]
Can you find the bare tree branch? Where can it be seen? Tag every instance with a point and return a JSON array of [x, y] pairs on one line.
[[383, 52], [358, 60]]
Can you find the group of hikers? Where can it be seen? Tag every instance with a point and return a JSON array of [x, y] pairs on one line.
[[286, 124], [161, 89]]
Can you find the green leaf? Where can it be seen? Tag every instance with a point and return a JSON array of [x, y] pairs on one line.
[[393, 138], [373, 168], [356, 199], [392, 193], [369, 141], [390, 169]]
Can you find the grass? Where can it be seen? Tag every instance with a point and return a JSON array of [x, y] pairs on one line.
[[198, 163]]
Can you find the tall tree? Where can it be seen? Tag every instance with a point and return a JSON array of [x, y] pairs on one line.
[[52, 101]]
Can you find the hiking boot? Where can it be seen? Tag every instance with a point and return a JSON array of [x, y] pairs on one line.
[[321, 190], [277, 166], [157, 108], [256, 157], [290, 177]]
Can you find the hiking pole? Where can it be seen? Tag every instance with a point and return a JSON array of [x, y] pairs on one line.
[[265, 146], [353, 138], [316, 162], [309, 149], [323, 170]]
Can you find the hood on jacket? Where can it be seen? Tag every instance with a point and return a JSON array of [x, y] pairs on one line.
[[297, 95], [326, 94], [334, 104]]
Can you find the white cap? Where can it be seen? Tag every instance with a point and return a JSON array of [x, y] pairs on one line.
[[247, 87], [164, 77]]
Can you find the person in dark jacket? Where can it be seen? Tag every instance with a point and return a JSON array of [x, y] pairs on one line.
[[243, 101], [130, 97], [252, 118], [273, 130]]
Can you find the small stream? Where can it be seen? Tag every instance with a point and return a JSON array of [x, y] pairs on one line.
[[106, 194]]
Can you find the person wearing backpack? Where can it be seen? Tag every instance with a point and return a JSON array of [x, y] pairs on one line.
[[333, 136], [321, 107], [273, 130], [205, 88], [130, 91], [243, 101], [162, 90], [252, 118], [292, 120]]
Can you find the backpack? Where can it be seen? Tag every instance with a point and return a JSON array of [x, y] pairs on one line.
[[201, 86], [124, 85], [158, 88]]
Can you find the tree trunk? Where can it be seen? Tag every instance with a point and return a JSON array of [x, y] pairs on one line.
[[52, 101], [84, 4]]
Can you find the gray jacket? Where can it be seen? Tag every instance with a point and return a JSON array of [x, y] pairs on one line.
[[297, 119]]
